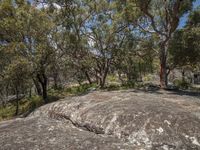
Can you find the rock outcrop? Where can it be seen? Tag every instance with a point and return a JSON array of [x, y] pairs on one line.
[[109, 120]]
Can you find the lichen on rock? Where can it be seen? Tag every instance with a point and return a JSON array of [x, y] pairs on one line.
[[109, 120]]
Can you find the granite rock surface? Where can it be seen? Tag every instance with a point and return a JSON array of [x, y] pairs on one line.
[[131, 119]]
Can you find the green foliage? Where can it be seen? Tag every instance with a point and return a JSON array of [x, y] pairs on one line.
[[78, 90], [56, 93], [26, 105], [93, 40], [112, 78], [183, 84], [17, 72], [129, 85], [148, 78], [25, 33], [185, 46], [7, 112], [194, 18], [113, 87]]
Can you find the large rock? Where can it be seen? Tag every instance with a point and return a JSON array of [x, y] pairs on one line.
[[109, 120]]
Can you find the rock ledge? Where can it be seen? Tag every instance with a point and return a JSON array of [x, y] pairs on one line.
[[109, 120]]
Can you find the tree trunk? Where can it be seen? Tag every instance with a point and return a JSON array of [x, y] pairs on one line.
[[163, 75], [55, 83], [103, 77], [43, 81], [102, 83], [44, 92], [163, 65], [88, 77], [140, 71], [183, 75], [38, 87], [105, 73], [7, 91], [55, 78], [30, 92], [17, 102], [120, 77], [97, 79]]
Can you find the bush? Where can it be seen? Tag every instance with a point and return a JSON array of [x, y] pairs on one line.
[[7, 112], [112, 78], [181, 84], [113, 87], [77, 90], [35, 102], [128, 85]]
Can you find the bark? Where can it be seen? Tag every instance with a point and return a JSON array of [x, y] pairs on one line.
[[103, 73], [30, 92], [140, 70], [38, 87], [43, 81], [120, 77], [17, 101], [171, 15], [96, 77], [183, 75], [88, 77], [44, 93], [55, 82], [56, 79], [7, 91], [163, 65], [102, 81], [103, 78]]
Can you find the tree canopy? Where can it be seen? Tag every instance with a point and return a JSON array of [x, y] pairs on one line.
[[46, 44]]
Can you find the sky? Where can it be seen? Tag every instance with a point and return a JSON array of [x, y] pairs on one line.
[[184, 18]]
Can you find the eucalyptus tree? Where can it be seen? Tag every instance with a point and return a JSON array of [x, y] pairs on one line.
[[17, 76], [26, 30], [160, 18], [5, 58], [87, 34], [70, 38], [136, 56], [185, 45], [105, 37]]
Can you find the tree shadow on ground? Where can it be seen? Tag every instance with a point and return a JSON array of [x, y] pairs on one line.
[[155, 89], [150, 88], [185, 93]]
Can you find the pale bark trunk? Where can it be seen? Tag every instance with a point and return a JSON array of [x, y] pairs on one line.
[[38, 87], [103, 79], [88, 77], [104, 74]]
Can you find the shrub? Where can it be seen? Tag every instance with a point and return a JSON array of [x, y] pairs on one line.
[[181, 84], [113, 87]]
